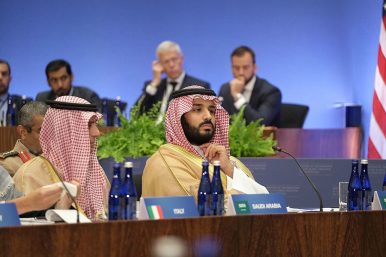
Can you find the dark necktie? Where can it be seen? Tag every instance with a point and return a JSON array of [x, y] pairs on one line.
[[174, 84]]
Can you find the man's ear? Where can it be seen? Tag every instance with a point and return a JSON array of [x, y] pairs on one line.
[[22, 131]]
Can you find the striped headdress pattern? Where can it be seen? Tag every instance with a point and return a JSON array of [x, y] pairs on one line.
[[65, 142], [183, 104]]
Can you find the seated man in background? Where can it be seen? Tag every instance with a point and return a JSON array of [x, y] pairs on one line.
[[196, 129], [59, 77], [170, 61], [5, 97], [31, 117], [68, 140], [37, 200], [261, 99]]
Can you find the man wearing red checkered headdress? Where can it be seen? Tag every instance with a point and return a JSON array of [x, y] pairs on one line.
[[196, 128], [68, 140]]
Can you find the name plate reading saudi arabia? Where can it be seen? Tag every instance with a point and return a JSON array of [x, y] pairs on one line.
[[8, 215], [379, 202], [158, 208], [256, 204]]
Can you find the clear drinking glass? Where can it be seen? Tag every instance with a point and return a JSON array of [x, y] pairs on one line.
[[343, 194]]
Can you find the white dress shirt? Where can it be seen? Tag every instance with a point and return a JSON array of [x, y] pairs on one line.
[[152, 90], [3, 109], [245, 97]]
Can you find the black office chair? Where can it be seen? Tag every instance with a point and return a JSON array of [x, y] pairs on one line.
[[292, 115], [110, 103]]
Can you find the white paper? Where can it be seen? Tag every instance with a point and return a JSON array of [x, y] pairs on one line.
[[244, 184], [376, 204], [68, 216], [143, 215], [230, 209], [71, 188], [35, 221], [297, 210]]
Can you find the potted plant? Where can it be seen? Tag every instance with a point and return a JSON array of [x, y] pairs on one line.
[[249, 140], [142, 136], [137, 137]]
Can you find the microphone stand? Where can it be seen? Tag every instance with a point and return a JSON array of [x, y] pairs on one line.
[[278, 149], [65, 188]]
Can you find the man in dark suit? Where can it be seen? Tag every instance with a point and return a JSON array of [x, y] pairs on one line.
[[261, 99], [7, 100], [170, 62], [59, 76]]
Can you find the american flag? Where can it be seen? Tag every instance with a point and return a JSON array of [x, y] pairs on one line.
[[377, 140]]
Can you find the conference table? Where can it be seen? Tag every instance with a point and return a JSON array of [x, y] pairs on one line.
[[361, 233], [330, 234]]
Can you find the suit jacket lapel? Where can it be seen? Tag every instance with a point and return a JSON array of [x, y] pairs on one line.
[[185, 82], [162, 89], [255, 93]]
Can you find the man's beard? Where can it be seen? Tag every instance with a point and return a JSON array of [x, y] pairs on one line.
[[247, 80], [193, 133], [3, 89], [62, 92]]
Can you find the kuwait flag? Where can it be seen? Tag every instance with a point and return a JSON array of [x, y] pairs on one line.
[[155, 212]]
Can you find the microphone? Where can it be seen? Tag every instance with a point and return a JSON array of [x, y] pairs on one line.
[[65, 188], [279, 149]]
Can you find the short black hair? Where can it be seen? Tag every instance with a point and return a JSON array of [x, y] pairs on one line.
[[6, 63], [241, 50], [56, 65]]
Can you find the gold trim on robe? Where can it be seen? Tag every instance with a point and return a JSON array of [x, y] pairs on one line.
[[173, 171]]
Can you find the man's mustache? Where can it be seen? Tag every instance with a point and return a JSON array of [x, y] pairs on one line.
[[206, 122], [62, 92]]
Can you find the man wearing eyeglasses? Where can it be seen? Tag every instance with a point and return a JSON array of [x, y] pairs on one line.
[[31, 117]]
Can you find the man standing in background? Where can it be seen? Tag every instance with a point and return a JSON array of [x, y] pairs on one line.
[[59, 77], [261, 99], [170, 61]]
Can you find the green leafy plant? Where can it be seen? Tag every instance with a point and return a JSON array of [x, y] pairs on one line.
[[139, 136], [249, 140], [142, 136]]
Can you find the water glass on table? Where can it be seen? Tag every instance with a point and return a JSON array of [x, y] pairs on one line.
[[343, 194]]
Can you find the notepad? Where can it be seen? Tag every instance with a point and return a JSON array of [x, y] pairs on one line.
[[68, 216]]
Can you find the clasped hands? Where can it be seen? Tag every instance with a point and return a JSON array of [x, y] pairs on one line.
[[215, 152]]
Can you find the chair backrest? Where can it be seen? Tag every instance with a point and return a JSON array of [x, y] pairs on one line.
[[292, 115], [110, 103]]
